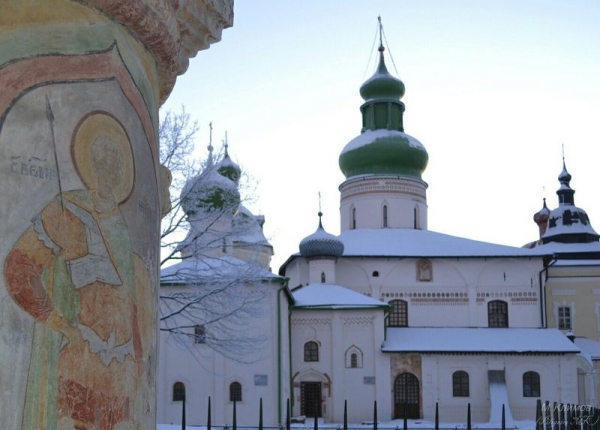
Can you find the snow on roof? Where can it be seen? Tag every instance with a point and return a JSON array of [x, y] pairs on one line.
[[569, 248], [330, 296], [568, 262], [589, 347], [249, 229], [370, 136], [477, 340], [424, 243], [192, 269]]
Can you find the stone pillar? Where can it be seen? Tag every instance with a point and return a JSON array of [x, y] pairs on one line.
[[81, 82]]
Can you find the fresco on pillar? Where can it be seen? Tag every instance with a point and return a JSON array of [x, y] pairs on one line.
[[80, 216]]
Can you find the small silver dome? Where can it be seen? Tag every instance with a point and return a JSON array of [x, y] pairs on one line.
[[321, 244]]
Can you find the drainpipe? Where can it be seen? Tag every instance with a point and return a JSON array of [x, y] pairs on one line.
[[279, 342], [543, 310], [593, 395]]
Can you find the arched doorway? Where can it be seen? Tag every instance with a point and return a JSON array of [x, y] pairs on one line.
[[310, 399], [406, 394]]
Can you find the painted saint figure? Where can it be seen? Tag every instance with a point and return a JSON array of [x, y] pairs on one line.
[[75, 272]]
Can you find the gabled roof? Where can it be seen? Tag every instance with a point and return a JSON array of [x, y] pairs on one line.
[[478, 340], [330, 296]]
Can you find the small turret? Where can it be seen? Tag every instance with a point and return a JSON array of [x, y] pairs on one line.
[[568, 223], [541, 218]]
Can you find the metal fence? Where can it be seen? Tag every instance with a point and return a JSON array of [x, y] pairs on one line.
[[549, 416]]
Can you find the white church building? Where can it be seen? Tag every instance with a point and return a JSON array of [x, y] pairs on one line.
[[386, 311]]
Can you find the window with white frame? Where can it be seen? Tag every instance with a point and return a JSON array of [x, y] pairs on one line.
[[564, 315], [564, 318]]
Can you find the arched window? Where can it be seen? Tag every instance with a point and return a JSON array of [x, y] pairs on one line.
[[531, 384], [178, 392], [311, 351], [199, 334], [497, 314], [353, 357], [416, 218], [385, 216], [353, 218], [398, 316], [235, 392], [323, 278], [460, 384]]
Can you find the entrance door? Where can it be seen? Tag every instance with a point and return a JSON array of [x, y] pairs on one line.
[[310, 394], [406, 394]]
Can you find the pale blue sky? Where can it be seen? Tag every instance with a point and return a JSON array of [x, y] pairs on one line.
[[493, 89]]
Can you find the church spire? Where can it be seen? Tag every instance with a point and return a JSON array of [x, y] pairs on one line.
[[566, 195]]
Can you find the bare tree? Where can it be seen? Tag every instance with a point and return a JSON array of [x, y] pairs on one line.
[[215, 291]]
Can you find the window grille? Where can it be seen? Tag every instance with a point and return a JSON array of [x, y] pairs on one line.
[[311, 351]]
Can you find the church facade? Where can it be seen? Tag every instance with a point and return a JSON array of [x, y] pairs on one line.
[[388, 310]]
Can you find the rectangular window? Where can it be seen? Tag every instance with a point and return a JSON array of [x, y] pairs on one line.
[[564, 318], [398, 315], [497, 314], [199, 334]]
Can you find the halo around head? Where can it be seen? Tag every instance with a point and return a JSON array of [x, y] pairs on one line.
[[96, 126]]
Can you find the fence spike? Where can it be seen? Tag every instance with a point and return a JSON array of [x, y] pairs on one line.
[[208, 420], [183, 413], [288, 416], [375, 415], [468, 416], [570, 416], [234, 415], [345, 414], [555, 416], [260, 415], [437, 417], [538, 415], [316, 427], [503, 418], [405, 422]]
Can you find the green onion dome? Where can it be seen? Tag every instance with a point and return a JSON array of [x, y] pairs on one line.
[[210, 192], [384, 152], [382, 84], [383, 147], [228, 168]]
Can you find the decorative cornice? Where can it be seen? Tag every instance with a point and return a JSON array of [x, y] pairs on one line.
[[172, 30], [392, 185]]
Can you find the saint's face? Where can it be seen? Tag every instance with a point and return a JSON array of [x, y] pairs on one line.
[[108, 165]]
